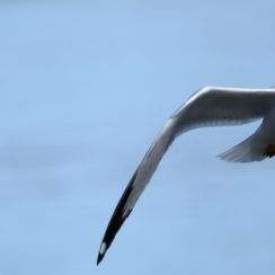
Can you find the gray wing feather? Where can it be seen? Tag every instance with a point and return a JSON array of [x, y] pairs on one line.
[[136, 185]]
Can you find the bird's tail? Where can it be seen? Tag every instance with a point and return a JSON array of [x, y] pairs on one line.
[[254, 148]]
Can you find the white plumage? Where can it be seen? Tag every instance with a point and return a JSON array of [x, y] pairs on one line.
[[211, 106]]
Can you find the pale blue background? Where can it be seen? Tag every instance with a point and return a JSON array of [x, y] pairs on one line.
[[84, 88]]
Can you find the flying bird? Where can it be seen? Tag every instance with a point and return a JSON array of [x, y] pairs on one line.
[[210, 106]]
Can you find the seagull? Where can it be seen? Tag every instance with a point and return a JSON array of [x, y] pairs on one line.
[[210, 106]]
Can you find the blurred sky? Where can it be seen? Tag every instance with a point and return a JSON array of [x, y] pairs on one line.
[[84, 88]]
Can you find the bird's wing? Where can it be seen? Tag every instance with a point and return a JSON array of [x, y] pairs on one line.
[[224, 106], [209, 106], [136, 185]]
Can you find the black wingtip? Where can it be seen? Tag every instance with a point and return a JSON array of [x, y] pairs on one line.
[[118, 218], [101, 253], [99, 258]]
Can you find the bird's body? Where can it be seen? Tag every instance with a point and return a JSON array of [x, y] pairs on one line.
[[211, 106]]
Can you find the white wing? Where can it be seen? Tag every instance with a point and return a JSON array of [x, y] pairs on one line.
[[224, 106], [209, 106]]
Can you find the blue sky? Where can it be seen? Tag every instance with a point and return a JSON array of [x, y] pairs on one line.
[[85, 87]]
